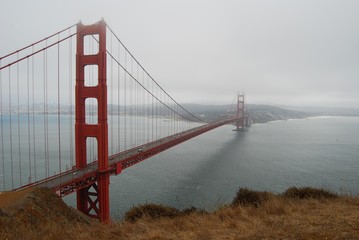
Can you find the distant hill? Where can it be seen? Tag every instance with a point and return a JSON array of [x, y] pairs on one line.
[[266, 113], [259, 113], [326, 111]]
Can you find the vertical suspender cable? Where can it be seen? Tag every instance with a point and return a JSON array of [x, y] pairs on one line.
[[140, 116], [140, 112], [177, 120], [125, 102], [159, 116], [58, 105], [148, 110], [44, 88], [111, 97], [164, 116], [159, 119], [171, 117], [153, 113], [142, 109], [135, 132], [70, 102], [47, 113], [118, 102], [45, 140], [137, 103], [33, 112], [136, 108], [2, 133], [168, 116], [160, 129], [174, 119], [135, 112], [154, 109], [131, 105], [18, 118], [47, 116], [10, 121], [28, 116], [156, 103]]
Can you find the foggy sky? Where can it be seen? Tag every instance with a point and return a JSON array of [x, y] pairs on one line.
[[300, 53]]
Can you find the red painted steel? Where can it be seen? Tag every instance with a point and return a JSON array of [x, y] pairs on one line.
[[240, 113], [86, 177], [166, 143], [93, 199], [91, 180]]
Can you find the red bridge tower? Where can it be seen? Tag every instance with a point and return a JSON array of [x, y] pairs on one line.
[[92, 200], [240, 124]]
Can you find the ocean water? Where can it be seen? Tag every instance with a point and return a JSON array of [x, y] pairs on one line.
[[206, 171]]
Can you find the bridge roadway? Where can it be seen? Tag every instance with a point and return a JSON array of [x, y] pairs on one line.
[[75, 179]]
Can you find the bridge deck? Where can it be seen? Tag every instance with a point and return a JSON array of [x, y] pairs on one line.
[[75, 179]]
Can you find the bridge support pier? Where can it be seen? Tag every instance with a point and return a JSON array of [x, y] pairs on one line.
[[240, 124], [92, 200]]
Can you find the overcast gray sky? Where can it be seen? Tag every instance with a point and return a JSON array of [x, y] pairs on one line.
[[303, 52]]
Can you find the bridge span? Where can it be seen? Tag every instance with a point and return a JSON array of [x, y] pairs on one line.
[[109, 80], [75, 179]]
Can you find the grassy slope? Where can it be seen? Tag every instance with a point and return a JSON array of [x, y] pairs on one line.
[[42, 215]]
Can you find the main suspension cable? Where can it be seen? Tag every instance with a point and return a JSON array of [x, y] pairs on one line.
[[199, 119]]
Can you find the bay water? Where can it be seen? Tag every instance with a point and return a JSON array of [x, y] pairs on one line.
[[206, 171]]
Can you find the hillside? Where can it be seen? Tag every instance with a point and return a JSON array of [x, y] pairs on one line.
[[259, 113], [265, 113], [298, 214]]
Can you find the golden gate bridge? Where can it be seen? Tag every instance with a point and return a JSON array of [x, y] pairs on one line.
[[77, 107]]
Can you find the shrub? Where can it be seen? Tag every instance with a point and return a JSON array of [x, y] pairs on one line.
[[193, 209], [246, 197], [308, 192], [152, 211]]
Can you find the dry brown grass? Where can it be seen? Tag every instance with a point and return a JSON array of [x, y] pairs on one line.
[[276, 217]]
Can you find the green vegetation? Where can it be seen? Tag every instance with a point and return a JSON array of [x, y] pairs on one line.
[[308, 192], [298, 213], [246, 197], [154, 211]]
